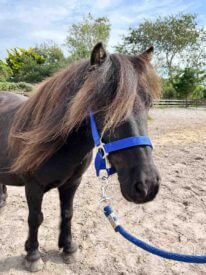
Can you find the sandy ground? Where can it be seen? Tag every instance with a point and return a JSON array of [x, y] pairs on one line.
[[175, 220]]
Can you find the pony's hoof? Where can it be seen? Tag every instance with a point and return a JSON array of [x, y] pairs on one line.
[[68, 258], [2, 203], [68, 253], [34, 266], [3, 200], [71, 248]]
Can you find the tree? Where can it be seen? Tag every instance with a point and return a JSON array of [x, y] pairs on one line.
[[51, 53], [5, 71], [83, 36], [32, 72], [168, 91], [188, 82], [35, 64], [17, 58], [178, 42], [199, 92]]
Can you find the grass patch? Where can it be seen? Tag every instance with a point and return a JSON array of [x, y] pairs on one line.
[[13, 87]]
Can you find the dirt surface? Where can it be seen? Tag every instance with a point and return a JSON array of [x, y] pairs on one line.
[[175, 220]]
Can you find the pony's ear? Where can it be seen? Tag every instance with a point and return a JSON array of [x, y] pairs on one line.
[[148, 53], [98, 54]]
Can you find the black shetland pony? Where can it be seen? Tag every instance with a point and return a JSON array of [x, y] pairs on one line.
[[46, 141]]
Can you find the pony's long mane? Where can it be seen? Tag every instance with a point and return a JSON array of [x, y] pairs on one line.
[[62, 102]]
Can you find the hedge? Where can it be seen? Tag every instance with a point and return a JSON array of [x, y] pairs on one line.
[[19, 86]]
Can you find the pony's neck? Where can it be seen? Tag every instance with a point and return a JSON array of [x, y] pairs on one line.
[[72, 158], [80, 142]]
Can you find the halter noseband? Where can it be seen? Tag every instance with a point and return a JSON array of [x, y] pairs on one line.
[[103, 150]]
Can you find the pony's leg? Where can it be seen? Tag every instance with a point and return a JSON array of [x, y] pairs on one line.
[[66, 194], [34, 196], [3, 195]]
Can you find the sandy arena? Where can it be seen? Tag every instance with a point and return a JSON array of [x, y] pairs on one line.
[[175, 220]]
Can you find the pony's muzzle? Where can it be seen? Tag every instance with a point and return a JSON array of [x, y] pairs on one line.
[[145, 189]]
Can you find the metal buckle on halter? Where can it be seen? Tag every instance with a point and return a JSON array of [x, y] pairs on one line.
[[104, 185], [103, 175], [100, 148]]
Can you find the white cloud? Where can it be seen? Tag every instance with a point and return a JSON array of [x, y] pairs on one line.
[[25, 23], [133, 14], [48, 35]]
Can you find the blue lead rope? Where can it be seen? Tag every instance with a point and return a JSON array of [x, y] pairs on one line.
[[100, 164], [156, 251]]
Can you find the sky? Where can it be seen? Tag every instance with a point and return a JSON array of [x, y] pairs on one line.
[[26, 23]]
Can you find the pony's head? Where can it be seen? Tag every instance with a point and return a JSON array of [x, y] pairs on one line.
[[129, 86], [119, 90]]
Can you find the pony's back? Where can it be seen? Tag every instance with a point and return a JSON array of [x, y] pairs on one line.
[[10, 101], [9, 105]]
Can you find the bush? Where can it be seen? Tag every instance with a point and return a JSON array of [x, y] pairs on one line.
[[188, 83], [35, 64], [10, 86], [33, 73], [7, 86], [5, 71], [167, 89], [26, 87], [199, 92]]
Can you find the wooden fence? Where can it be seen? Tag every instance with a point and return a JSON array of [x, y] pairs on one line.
[[184, 103]]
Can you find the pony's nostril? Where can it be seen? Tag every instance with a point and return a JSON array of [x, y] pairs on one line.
[[158, 178], [156, 189], [140, 189]]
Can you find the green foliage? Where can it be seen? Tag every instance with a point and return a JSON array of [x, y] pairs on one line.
[[5, 71], [51, 53], [83, 36], [187, 83], [168, 34], [7, 86], [204, 93], [199, 92], [10, 86], [168, 90], [178, 41], [18, 57], [23, 86], [35, 64], [33, 73]]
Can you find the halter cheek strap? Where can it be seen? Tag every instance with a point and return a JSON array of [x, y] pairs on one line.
[[103, 150]]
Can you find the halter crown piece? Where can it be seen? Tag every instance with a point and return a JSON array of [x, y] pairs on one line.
[[103, 150]]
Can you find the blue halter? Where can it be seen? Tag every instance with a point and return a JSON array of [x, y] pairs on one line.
[[103, 150]]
